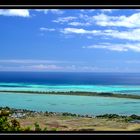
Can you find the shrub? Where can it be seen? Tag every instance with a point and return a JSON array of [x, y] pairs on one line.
[[137, 129], [26, 129], [54, 129], [37, 127], [108, 116], [4, 113], [135, 117], [4, 124]]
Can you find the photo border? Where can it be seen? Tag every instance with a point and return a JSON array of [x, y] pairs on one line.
[[68, 133]]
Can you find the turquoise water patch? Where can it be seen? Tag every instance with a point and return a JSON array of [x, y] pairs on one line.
[[90, 105], [121, 89]]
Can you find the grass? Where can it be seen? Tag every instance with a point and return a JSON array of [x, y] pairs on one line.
[[79, 124]]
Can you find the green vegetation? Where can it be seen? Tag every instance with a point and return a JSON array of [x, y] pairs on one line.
[[7, 124], [13, 125], [137, 129], [121, 117], [50, 121], [68, 114]]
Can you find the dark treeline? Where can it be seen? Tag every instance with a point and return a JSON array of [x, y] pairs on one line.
[[79, 93]]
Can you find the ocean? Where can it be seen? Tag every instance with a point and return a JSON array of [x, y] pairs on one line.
[[122, 83], [71, 78]]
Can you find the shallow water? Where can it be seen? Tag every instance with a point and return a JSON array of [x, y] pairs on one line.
[[90, 105], [121, 89]]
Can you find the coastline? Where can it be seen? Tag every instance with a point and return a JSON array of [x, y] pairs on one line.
[[80, 93], [54, 121]]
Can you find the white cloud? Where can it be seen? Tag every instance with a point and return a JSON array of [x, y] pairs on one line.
[[36, 61], [79, 31], [39, 67], [43, 67], [64, 19], [47, 29], [71, 20], [48, 67], [82, 10], [83, 68], [132, 21], [132, 35], [107, 10], [117, 47], [79, 24], [26, 61], [51, 67], [66, 68], [84, 16], [15, 12], [42, 10], [87, 10], [54, 11]]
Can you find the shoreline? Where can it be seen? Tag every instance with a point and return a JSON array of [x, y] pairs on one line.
[[31, 112], [52, 121], [78, 93]]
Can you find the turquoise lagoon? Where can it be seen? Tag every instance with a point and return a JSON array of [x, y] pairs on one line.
[[90, 105]]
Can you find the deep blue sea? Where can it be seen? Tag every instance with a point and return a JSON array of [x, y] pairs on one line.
[[122, 83], [71, 78]]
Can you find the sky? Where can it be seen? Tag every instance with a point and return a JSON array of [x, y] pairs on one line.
[[70, 40]]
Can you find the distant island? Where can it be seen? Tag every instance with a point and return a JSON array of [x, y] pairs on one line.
[[78, 93]]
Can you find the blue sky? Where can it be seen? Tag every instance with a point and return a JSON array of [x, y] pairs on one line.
[[76, 40]]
